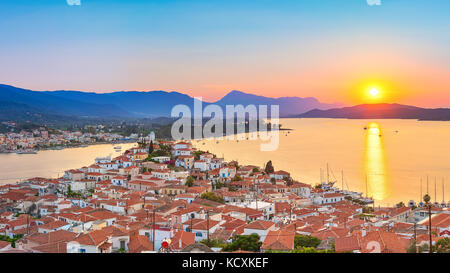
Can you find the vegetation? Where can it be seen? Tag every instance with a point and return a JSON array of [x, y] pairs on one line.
[[11, 240], [244, 242], [72, 194], [214, 243], [212, 197], [150, 148], [306, 241], [269, 167], [442, 245], [189, 181]]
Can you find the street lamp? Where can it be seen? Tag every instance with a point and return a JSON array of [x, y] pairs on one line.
[[427, 199]]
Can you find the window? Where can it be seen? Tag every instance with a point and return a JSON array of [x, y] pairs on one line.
[[82, 250], [198, 234]]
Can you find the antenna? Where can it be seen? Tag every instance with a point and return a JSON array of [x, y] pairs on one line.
[[427, 185]]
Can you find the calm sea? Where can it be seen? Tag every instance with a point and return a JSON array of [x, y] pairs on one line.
[[52, 163], [391, 155]]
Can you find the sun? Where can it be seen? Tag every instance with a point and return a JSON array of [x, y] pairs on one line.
[[374, 92]]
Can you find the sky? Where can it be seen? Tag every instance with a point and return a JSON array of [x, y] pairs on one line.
[[334, 50]]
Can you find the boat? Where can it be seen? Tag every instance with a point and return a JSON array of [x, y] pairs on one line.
[[118, 147], [26, 152]]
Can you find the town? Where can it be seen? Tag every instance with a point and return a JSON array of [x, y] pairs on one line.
[[165, 196], [42, 138]]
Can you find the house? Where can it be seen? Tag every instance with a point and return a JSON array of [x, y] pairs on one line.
[[181, 239], [280, 175], [201, 165], [260, 227], [139, 244], [281, 240], [186, 161], [119, 180], [200, 227], [53, 226], [106, 240]]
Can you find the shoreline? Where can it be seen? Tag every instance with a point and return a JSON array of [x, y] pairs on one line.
[[59, 148]]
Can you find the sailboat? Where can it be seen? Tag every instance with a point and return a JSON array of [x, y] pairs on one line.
[[327, 184]]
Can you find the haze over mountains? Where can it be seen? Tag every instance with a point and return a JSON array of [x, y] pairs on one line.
[[130, 104]]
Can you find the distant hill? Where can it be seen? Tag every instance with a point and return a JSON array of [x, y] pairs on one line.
[[380, 111], [130, 104], [288, 105], [46, 103]]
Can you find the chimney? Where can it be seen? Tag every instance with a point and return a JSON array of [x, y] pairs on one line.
[[363, 232], [179, 243]]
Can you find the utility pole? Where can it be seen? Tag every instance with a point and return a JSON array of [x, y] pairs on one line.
[[427, 200], [415, 235], [153, 228], [207, 225], [256, 197]]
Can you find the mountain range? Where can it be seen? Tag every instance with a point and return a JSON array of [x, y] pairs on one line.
[[380, 111], [26, 105], [130, 104]]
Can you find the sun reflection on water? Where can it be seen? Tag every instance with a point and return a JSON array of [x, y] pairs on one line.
[[375, 163]]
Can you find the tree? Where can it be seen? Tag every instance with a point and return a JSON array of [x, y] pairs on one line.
[[306, 241], [150, 148], [269, 167], [189, 181], [212, 197], [244, 242], [412, 247], [400, 205], [443, 245]]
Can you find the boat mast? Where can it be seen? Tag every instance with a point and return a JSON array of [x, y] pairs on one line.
[[420, 197], [342, 180], [443, 191], [435, 190], [367, 194], [328, 174]]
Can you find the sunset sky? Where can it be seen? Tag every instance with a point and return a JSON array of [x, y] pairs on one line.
[[334, 50]]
